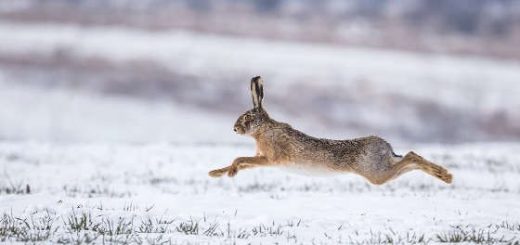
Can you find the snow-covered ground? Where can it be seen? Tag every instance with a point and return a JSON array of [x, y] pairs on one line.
[[161, 192], [85, 180], [79, 166]]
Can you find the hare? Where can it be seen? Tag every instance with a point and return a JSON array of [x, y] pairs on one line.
[[278, 144]]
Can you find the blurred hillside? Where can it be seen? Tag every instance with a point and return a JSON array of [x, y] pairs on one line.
[[417, 71], [482, 27]]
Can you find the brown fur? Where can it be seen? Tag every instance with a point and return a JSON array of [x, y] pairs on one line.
[[278, 144]]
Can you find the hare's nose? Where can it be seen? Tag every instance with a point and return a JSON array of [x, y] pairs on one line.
[[235, 129]]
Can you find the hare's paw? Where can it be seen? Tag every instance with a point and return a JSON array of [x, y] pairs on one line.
[[447, 177], [233, 170], [217, 172]]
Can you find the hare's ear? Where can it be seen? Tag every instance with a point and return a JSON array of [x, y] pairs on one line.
[[257, 91]]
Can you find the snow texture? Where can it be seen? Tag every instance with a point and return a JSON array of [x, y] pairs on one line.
[[105, 190], [169, 182]]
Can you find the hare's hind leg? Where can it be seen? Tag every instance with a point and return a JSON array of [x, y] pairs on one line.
[[413, 161], [430, 168], [407, 163], [394, 170]]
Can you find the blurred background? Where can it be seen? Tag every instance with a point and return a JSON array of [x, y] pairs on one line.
[[414, 71]]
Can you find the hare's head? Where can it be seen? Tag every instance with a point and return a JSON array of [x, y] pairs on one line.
[[252, 120]]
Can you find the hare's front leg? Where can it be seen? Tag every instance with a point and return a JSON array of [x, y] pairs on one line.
[[239, 164], [246, 162], [218, 172]]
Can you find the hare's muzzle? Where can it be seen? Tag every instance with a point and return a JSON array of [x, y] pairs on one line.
[[238, 130]]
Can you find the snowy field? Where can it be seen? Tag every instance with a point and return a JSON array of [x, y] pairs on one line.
[[78, 166], [85, 184], [157, 193]]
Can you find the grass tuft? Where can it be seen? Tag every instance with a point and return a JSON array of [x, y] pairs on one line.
[[469, 235], [12, 188], [26, 229], [189, 227]]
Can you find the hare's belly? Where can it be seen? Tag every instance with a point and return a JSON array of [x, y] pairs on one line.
[[308, 169]]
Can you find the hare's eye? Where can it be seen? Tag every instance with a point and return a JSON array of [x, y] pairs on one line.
[[247, 117]]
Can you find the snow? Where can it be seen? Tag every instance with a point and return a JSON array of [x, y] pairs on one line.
[[170, 181], [67, 153]]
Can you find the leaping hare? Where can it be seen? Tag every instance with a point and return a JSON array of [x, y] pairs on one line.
[[278, 144]]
